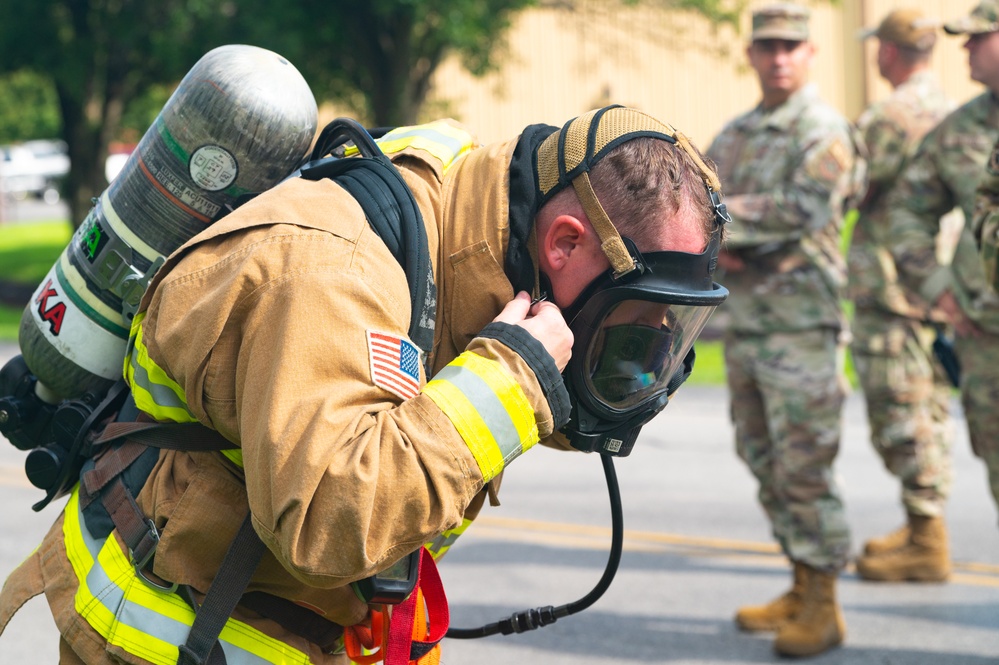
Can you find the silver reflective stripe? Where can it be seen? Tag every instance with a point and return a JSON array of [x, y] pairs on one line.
[[162, 395], [111, 595], [441, 542], [489, 407]]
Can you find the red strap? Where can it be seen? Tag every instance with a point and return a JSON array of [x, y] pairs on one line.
[[401, 647]]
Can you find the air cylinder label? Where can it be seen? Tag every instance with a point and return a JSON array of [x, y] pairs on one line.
[[213, 168]]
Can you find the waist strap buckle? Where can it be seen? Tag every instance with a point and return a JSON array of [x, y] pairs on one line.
[[148, 549]]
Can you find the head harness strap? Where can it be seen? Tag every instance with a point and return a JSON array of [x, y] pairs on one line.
[[566, 157]]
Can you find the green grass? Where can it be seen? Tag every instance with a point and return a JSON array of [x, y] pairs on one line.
[[27, 252], [709, 369]]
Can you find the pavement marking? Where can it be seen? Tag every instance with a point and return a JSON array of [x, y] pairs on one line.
[[560, 534], [745, 552]]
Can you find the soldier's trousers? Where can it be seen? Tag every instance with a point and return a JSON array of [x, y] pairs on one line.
[[787, 393], [980, 397], [908, 406]]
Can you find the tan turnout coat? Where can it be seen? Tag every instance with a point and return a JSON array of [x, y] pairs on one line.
[[262, 320]]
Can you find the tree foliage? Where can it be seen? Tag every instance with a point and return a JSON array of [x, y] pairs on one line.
[[378, 57], [28, 107], [99, 55]]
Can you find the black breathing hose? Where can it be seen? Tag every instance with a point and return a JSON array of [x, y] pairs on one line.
[[544, 616]]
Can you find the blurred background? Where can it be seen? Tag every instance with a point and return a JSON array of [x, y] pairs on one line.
[[81, 80]]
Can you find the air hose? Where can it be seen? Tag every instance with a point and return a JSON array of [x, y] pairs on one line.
[[537, 617]]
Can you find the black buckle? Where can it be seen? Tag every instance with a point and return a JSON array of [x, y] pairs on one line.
[[140, 565]]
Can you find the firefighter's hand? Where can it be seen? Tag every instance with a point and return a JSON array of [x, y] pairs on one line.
[[544, 322]]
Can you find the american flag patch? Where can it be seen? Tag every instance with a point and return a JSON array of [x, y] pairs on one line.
[[395, 364]]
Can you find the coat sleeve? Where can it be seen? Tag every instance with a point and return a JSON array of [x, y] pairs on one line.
[[915, 207], [886, 142], [345, 472]]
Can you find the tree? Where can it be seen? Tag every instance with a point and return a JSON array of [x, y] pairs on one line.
[[376, 56], [28, 108], [379, 56], [99, 54]]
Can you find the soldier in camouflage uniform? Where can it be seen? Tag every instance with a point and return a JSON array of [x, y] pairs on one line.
[[945, 172], [786, 166], [907, 392]]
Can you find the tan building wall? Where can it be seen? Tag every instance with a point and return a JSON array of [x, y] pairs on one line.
[[674, 65]]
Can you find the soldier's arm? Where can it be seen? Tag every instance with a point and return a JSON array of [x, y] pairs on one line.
[[804, 204], [987, 197], [886, 148], [915, 206]]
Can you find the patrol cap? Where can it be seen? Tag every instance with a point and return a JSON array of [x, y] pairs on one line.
[[908, 27], [982, 19], [781, 21]]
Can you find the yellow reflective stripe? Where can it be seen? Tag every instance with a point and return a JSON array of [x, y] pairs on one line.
[[488, 408], [154, 391], [235, 456], [442, 140], [470, 426], [442, 543], [145, 622], [504, 387]]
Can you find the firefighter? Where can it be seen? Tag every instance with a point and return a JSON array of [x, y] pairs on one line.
[[287, 328]]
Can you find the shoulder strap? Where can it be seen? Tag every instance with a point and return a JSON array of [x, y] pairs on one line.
[[391, 210]]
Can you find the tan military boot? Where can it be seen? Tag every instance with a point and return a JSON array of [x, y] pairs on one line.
[[818, 625], [777, 612], [925, 557], [893, 540]]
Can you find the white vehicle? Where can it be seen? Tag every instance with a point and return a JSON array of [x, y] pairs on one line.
[[33, 168]]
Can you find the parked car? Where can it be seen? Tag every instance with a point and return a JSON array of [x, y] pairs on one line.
[[33, 168]]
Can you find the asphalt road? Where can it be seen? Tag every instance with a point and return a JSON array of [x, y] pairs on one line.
[[30, 209], [696, 548]]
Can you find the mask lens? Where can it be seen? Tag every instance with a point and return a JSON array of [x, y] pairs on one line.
[[631, 357], [637, 347]]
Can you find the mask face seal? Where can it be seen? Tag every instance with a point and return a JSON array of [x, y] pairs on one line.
[[634, 345]]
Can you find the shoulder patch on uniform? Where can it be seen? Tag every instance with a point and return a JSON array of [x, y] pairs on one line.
[[395, 363], [831, 162]]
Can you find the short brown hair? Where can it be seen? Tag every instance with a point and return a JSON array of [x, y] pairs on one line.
[[648, 180]]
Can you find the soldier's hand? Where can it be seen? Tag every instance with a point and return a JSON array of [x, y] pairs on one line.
[[964, 326], [544, 322], [730, 262]]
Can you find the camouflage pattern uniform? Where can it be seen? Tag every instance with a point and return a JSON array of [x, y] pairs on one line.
[[907, 392], [785, 171], [945, 172], [986, 221]]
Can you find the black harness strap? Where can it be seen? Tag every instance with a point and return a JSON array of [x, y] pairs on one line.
[[393, 214], [141, 537], [294, 618], [240, 562]]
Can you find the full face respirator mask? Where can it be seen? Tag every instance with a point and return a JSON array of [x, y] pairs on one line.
[[634, 326]]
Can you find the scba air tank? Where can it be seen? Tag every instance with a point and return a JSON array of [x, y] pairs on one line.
[[241, 121]]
